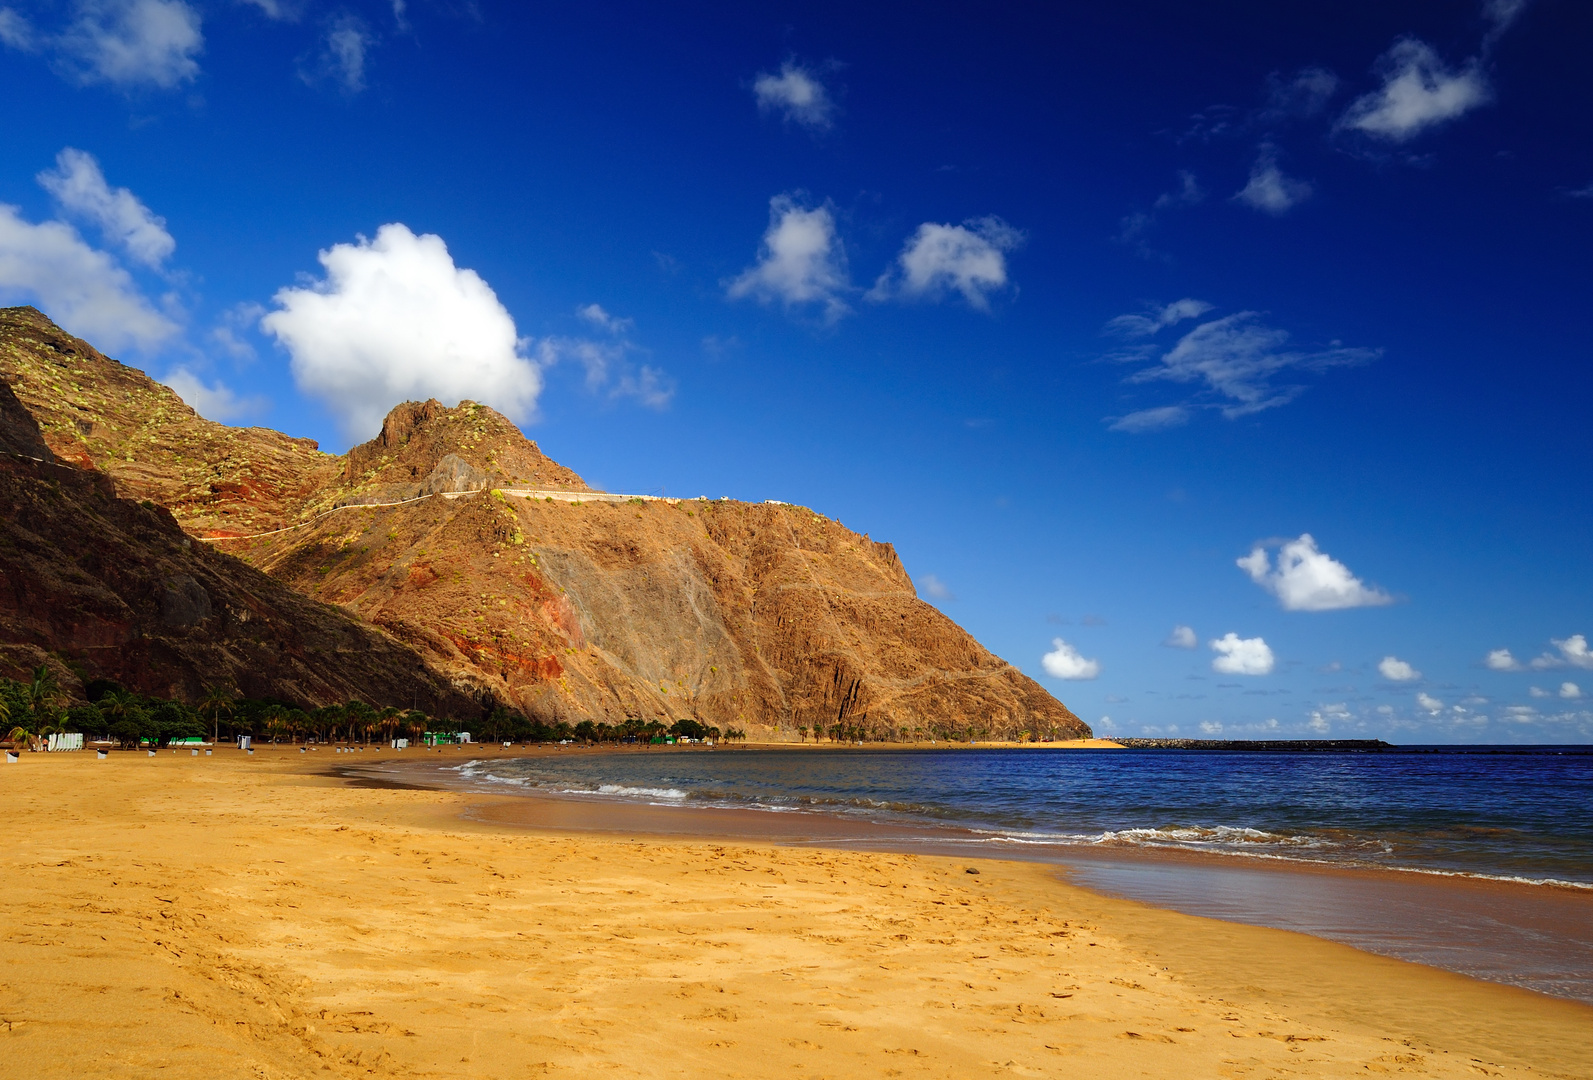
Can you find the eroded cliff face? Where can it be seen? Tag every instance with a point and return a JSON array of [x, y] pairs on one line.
[[104, 587], [740, 615], [765, 617]]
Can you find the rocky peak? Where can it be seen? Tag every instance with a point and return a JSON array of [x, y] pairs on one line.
[[425, 447]]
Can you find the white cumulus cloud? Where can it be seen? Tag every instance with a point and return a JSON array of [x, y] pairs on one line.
[[79, 186], [132, 43], [969, 259], [1268, 189], [1419, 91], [1502, 660], [797, 94], [1306, 579], [1182, 637], [802, 261], [936, 588], [1428, 704], [394, 319], [1064, 662], [1573, 653], [1570, 690], [1396, 670], [79, 286], [1322, 719], [1241, 656]]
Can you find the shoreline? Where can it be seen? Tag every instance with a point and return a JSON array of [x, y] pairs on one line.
[[249, 916], [1533, 934], [363, 772]]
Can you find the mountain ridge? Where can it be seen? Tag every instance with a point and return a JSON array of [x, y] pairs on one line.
[[766, 617]]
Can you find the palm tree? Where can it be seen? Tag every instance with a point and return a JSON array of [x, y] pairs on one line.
[[271, 721], [415, 723], [42, 693], [387, 722], [217, 701]]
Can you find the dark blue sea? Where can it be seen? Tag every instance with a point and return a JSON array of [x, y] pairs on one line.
[[1523, 815]]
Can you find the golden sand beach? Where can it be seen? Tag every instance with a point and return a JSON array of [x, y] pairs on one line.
[[251, 916]]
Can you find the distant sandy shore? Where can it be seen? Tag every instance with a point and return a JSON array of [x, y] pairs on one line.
[[936, 744], [249, 916]]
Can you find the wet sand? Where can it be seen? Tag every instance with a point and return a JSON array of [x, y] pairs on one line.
[[251, 916]]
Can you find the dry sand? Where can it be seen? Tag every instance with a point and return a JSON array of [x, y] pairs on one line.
[[236, 916]]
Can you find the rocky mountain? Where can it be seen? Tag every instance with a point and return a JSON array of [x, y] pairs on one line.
[[766, 617], [99, 586]]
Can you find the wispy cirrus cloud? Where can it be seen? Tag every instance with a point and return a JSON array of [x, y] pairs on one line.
[[1135, 228], [86, 289], [79, 186], [1157, 318], [1303, 95], [16, 31], [79, 286], [278, 10], [213, 400], [1500, 16], [1269, 189], [1235, 363], [342, 57], [608, 360]]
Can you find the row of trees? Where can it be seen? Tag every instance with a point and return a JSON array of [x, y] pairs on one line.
[[32, 711], [507, 725]]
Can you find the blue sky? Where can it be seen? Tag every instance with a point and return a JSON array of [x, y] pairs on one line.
[[1080, 307]]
